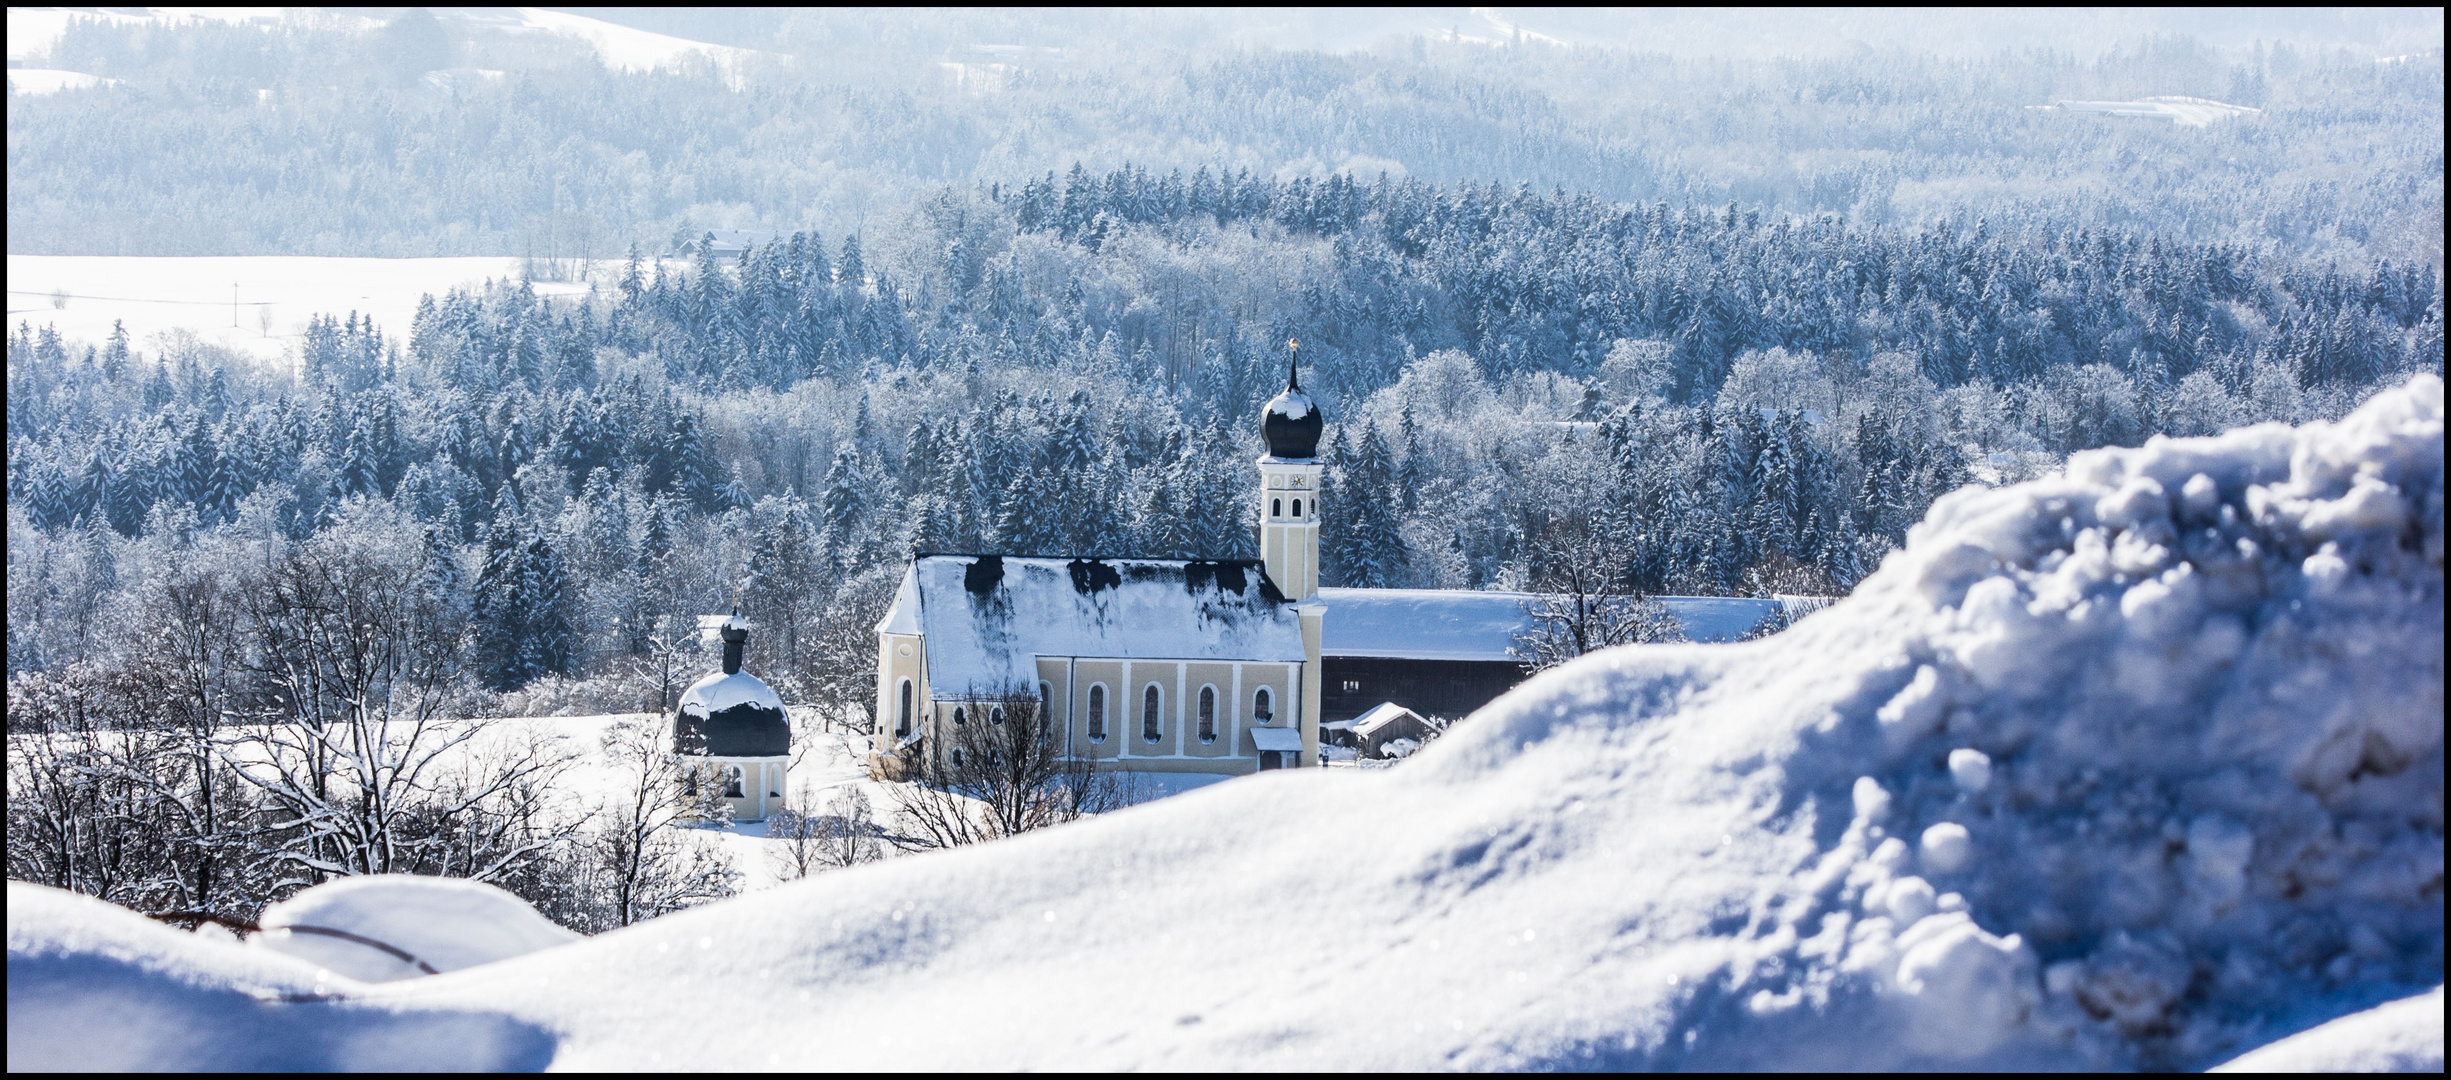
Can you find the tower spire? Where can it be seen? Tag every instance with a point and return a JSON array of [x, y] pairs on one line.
[[1293, 373]]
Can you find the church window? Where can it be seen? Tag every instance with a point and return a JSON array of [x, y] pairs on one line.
[[1097, 713], [731, 783], [1297, 509], [995, 716], [902, 718], [957, 757], [1149, 701], [1260, 700], [1276, 508], [1208, 714], [960, 718], [1046, 710], [689, 782]]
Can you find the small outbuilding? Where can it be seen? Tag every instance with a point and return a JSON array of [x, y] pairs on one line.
[[730, 730]]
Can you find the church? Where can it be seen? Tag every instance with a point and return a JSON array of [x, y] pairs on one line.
[[1222, 666]]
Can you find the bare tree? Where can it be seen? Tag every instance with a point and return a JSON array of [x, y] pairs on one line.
[[647, 866], [844, 834], [1584, 605], [349, 745], [671, 652], [1003, 771]]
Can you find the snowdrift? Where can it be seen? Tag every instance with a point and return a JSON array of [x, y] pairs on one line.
[[2139, 766]]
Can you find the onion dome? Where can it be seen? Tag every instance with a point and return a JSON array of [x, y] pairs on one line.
[[731, 713], [1291, 421]]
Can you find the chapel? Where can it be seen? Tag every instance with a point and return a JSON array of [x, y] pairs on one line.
[[730, 732], [1224, 666]]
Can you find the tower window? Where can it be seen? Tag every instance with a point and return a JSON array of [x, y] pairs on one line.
[[902, 716], [1297, 509], [1276, 508], [1097, 713], [1260, 700], [1208, 714], [1149, 701]]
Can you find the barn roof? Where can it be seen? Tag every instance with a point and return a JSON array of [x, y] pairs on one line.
[[987, 618], [1457, 624]]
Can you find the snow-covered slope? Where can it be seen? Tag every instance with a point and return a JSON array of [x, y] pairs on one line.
[[2402, 1036], [2138, 766]]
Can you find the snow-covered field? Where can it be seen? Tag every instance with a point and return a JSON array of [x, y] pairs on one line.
[[254, 304], [2138, 766], [32, 31]]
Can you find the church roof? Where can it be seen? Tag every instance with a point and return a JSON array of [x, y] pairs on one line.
[[735, 715], [1457, 624], [987, 618], [1291, 422]]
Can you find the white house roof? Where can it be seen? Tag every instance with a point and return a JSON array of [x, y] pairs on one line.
[[988, 618], [1386, 712], [1457, 624]]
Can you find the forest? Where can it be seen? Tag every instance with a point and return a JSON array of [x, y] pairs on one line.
[[1740, 403]]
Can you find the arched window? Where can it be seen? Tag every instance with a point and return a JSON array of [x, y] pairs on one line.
[[902, 718], [731, 783], [1097, 713], [957, 757], [1276, 508], [1297, 509], [1260, 700], [689, 781], [995, 716], [1149, 701], [1208, 714], [960, 718]]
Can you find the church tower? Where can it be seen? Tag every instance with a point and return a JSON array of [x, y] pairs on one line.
[[1289, 530], [1289, 489]]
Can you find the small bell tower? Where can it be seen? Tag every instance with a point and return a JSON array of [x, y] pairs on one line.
[[1289, 486]]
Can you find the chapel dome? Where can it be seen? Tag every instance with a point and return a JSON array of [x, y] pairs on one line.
[[735, 715], [1291, 422], [731, 713]]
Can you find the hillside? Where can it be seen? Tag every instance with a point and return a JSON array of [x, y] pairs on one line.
[[2135, 766]]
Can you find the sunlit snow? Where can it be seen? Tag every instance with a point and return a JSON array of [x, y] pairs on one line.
[[2201, 685]]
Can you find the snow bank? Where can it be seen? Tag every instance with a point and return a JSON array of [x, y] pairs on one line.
[[2138, 766], [401, 926], [95, 987], [2403, 1036]]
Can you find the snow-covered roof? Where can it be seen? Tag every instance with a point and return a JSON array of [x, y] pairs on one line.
[[1275, 738], [903, 617], [719, 691], [1458, 624], [988, 618], [1385, 713]]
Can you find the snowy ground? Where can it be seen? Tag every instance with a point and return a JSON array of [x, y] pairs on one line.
[[274, 294], [2139, 766]]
